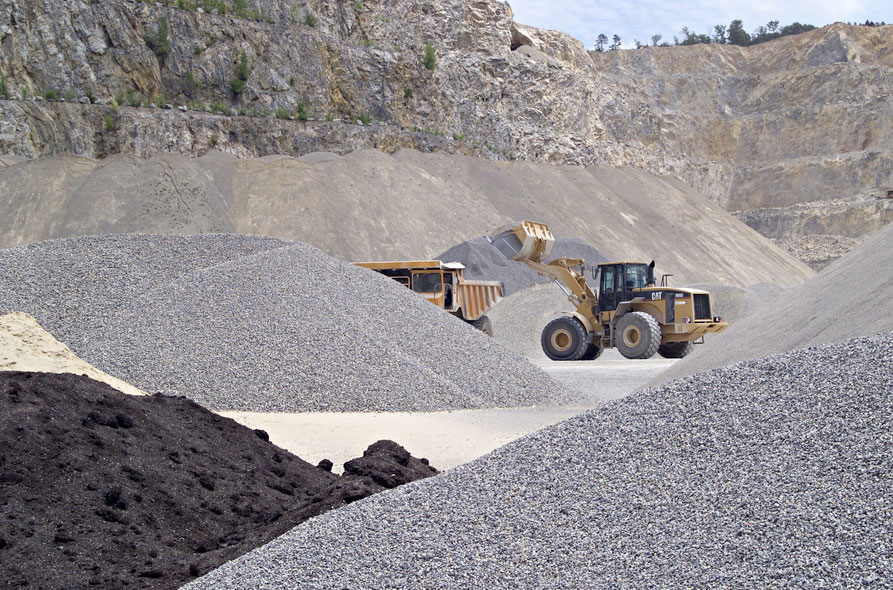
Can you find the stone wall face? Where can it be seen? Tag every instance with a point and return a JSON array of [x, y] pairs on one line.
[[804, 119]]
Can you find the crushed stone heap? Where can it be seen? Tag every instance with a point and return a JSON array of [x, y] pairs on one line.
[[107, 490], [484, 262], [774, 472], [256, 324]]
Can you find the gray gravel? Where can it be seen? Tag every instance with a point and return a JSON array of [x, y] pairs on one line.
[[848, 299], [245, 323], [770, 473], [485, 262]]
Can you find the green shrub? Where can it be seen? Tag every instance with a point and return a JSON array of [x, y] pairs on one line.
[[110, 123], [213, 140], [459, 136], [283, 113], [309, 19], [429, 59], [358, 6], [158, 40], [237, 86], [50, 95], [4, 90], [70, 95], [407, 92], [303, 112], [240, 8], [244, 70], [364, 118], [218, 107]]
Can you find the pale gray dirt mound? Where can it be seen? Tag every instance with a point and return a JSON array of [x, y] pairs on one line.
[[368, 205], [519, 319], [484, 262], [771, 472], [849, 298], [255, 324]]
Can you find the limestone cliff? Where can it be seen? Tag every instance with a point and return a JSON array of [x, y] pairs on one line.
[[801, 120]]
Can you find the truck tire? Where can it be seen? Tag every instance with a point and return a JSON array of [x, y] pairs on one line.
[[592, 352], [483, 324], [564, 339], [638, 335], [674, 350]]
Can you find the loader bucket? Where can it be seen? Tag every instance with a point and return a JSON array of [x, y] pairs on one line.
[[528, 240]]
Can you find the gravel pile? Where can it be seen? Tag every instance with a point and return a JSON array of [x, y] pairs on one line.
[[485, 262], [848, 299], [775, 472], [254, 324]]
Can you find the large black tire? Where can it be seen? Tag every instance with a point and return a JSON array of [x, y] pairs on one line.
[[592, 352], [483, 324], [637, 335], [564, 339], [674, 350]]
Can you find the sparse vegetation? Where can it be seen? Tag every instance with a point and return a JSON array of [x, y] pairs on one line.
[[212, 141], [243, 71], [364, 118], [70, 95], [309, 19], [407, 92], [303, 111], [4, 90], [429, 59], [459, 136], [358, 6], [158, 39], [283, 113], [111, 123]]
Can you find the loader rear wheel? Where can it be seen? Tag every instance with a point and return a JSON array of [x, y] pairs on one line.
[[638, 335], [592, 352], [674, 350], [564, 339], [483, 324]]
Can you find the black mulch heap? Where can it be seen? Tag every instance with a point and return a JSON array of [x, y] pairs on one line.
[[103, 489]]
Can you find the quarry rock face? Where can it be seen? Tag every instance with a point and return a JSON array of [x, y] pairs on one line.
[[762, 129]]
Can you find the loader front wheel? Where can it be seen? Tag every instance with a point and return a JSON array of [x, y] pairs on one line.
[[564, 339], [483, 324], [638, 335], [674, 350]]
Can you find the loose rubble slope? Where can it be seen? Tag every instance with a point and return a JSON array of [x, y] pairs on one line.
[[775, 471], [111, 490], [849, 298], [255, 324]]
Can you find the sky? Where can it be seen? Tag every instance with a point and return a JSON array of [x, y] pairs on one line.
[[640, 19]]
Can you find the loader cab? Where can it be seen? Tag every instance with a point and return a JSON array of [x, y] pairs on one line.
[[616, 281]]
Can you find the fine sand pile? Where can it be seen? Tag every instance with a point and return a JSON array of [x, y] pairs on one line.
[[255, 324], [849, 298], [101, 489], [25, 346], [483, 261], [771, 472]]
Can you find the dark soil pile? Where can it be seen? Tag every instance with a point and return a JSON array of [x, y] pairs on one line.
[[102, 489]]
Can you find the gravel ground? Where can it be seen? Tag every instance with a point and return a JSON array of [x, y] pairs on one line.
[[770, 473], [245, 323]]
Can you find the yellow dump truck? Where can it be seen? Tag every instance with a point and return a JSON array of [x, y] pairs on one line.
[[443, 284], [629, 311]]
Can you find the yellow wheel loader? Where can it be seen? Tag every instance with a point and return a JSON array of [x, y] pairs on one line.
[[628, 312]]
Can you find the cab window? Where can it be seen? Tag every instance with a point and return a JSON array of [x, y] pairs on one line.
[[429, 282]]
